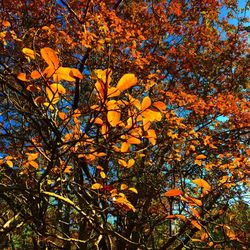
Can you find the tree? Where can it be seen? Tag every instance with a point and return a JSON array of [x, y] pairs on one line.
[[124, 124]]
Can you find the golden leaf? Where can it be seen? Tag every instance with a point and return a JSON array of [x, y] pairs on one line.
[[131, 163], [50, 57], [126, 82], [64, 73], [29, 53], [202, 183], [97, 186], [146, 103], [125, 147], [102, 174], [32, 156], [9, 163], [134, 190]]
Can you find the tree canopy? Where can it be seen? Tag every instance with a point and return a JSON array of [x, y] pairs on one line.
[[124, 124]]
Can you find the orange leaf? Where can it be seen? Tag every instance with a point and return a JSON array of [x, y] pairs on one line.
[[126, 82], [173, 192], [114, 118], [35, 74], [146, 103], [125, 147], [202, 183], [134, 140], [64, 73], [200, 157], [6, 23], [34, 164], [196, 224], [160, 105], [124, 186], [22, 77], [50, 57], [32, 156]]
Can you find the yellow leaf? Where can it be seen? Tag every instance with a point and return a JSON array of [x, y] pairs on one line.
[[192, 147], [131, 163], [173, 192], [67, 170], [53, 97], [50, 57], [202, 183], [56, 87], [22, 77], [124, 186], [35, 74], [10, 164], [97, 186], [151, 136], [29, 53], [146, 103], [76, 73], [114, 118], [63, 73], [134, 190], [122, 162], [102, 174], [126, 82]]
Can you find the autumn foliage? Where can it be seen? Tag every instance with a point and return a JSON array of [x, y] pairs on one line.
[[124, 124]]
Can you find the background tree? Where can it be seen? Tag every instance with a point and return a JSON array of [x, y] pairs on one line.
[[124, 124]]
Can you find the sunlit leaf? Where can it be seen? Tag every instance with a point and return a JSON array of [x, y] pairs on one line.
[[196, 224], [22, 77], [9, 163], [97, 186], [126, 82], [134, 190], [29, 53], [34, 164], [200, 157], [125, 147], [202, 183], [173, 192], [35, 74], [102, 174], [131, 163], [50, 57], [146, 103], [32, 156]]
